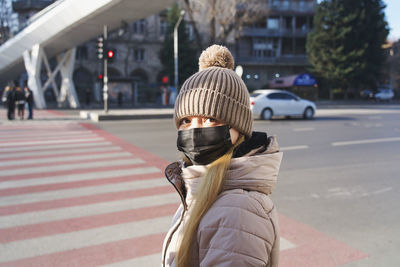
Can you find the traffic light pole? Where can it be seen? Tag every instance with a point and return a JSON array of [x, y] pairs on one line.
[[105, 77], [176, 50]]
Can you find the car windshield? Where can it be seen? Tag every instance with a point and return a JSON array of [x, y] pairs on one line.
[[254, 94]]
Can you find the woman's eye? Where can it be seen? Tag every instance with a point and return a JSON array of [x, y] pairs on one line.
[[184, 121], [210, 120]]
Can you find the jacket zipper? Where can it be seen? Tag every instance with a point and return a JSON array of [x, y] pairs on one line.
[[178, 224]]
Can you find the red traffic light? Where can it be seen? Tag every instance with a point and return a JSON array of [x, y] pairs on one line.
[[164, 79], [110, 54], [100, 76]]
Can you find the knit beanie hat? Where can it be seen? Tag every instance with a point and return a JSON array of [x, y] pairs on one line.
[[216, 91]]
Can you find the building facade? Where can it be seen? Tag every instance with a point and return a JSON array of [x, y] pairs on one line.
[[136, 47], [275, 46]]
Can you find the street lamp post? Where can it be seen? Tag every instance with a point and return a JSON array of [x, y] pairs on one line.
[[176, 49]]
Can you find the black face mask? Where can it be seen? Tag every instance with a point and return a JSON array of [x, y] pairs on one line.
[[204, 145]]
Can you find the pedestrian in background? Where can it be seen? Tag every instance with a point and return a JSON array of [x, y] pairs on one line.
[[29, 100], [4, 95], [10, 102], [226, 217], [20, 102]]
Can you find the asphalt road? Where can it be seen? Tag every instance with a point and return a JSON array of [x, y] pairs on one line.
[[340, 173]]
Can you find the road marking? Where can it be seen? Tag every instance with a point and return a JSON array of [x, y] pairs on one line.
[[64, 159], [77, 177], [51, 142], [79, 192], [155, 259], [21, 134], [45, 137], [366, 141], [146, 261], [294, 147], [373, 125], [330, 112], [58, 152], [81, 239], [286, 244], [30, 231], [65, 167], [303, 129], [63, 213], [51, 147]]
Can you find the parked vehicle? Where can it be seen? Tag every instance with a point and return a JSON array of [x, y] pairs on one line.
[[367, 94], [384, 94], [267, 103]]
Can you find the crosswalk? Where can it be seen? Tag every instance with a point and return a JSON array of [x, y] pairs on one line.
[[72, 194]]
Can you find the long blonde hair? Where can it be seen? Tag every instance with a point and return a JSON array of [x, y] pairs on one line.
[[206, 195]]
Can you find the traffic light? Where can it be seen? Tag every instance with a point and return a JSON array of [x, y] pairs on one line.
[[100, 48], [165, 79], [110, 54]]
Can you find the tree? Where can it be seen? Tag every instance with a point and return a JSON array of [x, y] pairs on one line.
[[345, 47], [187, 56], [222, 17], [5, 20]]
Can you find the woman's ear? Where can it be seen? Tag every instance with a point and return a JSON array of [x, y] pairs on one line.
[[234, 135]]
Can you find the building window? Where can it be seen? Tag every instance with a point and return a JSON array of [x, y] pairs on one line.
[[265, 47], [273, 23], [262, 23], [301, 23], [139, 26], [286, 4], [138, 54], [276, 3], [288, 23], [163, 27]]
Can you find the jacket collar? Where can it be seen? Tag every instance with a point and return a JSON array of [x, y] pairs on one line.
[[255, 171]]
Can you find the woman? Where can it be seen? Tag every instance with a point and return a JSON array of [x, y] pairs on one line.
[[20, 102], [226, 217]]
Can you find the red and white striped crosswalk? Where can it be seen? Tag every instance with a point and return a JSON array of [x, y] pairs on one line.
[[74, 195]]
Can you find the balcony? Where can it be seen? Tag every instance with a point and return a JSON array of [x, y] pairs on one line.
[[28, 5], [287, 60], [262, 32], [292, 6]]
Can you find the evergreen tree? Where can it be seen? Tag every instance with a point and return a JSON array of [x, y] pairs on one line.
[[345, 47], [187, 56]]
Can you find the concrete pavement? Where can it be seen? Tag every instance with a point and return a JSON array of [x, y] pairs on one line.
[[167, 112], [72, 194]]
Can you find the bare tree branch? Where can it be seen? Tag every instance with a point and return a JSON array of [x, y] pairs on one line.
[[222, 17]]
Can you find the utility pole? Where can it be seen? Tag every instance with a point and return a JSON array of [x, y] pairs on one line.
[[176, 49], [105, 77]]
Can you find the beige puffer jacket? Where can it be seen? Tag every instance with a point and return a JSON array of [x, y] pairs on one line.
[[241, 227]]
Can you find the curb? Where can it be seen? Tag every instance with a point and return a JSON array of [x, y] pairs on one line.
[[128, 115]]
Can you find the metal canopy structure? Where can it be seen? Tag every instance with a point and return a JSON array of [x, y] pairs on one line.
[[60, 27]]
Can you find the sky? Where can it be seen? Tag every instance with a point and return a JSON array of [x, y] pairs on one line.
[[393, 18]]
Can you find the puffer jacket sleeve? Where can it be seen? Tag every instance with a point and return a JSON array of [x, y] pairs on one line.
[[238, 231]]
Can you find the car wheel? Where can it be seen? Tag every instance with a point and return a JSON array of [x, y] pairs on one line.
[[308, 113], [266, 114]]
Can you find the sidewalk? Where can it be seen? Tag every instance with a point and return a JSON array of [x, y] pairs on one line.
[[167, 112], [127, 114]]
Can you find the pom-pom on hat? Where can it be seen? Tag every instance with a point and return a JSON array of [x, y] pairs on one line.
[[216, 91]]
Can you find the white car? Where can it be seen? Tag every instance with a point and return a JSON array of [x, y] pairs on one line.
[[267, 103], [384, 94]]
